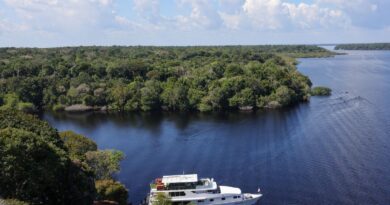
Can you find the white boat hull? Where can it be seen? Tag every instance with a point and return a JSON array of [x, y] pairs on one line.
[[250, 199], [189, 190]]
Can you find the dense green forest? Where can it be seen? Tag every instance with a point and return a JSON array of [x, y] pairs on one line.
[[153, 78], [364, 46], [41, 166]]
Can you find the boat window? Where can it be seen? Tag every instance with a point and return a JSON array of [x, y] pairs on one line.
[[223, 198], [181, 202], [211, 199], [181, 193], [239, 196], [177, 186], [235, 197], [200, 201]]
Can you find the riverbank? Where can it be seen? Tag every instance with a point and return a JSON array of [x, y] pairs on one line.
[[295, 154], [123, 79]]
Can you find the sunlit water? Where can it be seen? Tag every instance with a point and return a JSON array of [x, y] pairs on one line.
[[333, 150]]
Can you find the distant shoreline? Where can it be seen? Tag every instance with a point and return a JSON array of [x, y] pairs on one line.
[[363, 46]]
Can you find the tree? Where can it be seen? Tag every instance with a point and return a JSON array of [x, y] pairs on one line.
[[32, 124], [152, 78], [321, 91], [33, 170], [73, 96], [162, 199], [77, 144], [109, 189], [283, 95], [150, 95], [104, 163], [233, 70], [244, 98], [120, 94], [194, 97], [35, 166], [134, 103], [174, 94], [11, 101], [31, 90]]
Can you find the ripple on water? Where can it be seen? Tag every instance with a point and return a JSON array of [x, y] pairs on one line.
[[333, 150]]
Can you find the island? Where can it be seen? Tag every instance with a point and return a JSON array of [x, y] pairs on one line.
[[364, 46], [147, 78], [321, 91]]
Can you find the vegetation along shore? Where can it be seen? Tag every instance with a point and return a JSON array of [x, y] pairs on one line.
[[41, 166], [364, 46], [123, 79]]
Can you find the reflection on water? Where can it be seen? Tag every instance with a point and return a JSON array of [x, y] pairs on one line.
[[333, 150]]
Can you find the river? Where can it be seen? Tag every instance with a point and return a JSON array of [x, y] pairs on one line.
[[332, 150]]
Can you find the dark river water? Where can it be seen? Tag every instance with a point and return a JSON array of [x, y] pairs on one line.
[[332, 150]]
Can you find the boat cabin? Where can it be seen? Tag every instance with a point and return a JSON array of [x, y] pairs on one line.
[[183, 182]]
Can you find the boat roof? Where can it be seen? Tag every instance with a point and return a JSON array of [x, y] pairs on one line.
[[184, 178], [229, 190]]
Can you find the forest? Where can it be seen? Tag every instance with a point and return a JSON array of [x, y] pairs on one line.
[[364, 46], [41, 166], [141, 78]]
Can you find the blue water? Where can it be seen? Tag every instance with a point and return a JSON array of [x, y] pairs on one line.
[[332, 150]]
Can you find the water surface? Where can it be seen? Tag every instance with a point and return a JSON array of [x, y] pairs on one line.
[[332, 150]]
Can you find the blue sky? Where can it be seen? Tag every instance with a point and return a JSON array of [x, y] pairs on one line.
[[48, 23]]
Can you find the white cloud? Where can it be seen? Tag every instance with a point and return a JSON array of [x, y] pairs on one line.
[[231, 21], [63, 15], [264, 14], [82, 21], [308, 16], [282, 15], [149, 9], [146, 5], [203, 15], [363, 13]]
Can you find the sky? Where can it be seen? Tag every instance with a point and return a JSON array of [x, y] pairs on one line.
[[52, 23]]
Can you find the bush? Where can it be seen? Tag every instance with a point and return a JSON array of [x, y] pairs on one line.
[[105, 163], [77, 144], [162, 199], [31, 151], [321, 91], [25, 157], [111, 190], [12, 202], [26, 107], [32, 124], [58, 107], [10, 102]]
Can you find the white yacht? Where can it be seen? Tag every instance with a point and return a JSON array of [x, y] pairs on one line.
[[188, 189]]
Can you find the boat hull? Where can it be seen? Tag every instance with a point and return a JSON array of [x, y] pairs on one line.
[[250, 199]]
